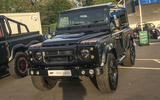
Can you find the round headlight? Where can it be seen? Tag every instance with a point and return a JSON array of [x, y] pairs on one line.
[[85, 53], [49, 36], [38, 55], [30, 52]]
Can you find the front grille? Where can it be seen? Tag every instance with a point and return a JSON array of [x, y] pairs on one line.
[[59, 59], [58, 56], [59, 52]]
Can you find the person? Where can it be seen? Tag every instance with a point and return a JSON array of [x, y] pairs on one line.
[[155, 33], [149, 30]]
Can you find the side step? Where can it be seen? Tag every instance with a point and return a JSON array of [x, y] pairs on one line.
[[121, 59]]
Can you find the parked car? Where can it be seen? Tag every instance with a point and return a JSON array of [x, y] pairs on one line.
[[13, 47], [85, 44]]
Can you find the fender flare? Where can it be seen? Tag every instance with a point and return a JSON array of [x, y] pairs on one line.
[[129, 38], [106, 49], [15, 48], [20, 47], [31, 43]]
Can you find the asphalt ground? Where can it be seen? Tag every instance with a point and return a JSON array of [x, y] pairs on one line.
[[140, 82]]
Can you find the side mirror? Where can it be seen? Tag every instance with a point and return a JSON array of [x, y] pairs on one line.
[[50, 34]]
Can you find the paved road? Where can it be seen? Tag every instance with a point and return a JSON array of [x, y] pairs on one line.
[[142, 82]]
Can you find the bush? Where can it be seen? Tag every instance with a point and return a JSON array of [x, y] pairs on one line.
[[45, 27], [102, 1], [52, 9]]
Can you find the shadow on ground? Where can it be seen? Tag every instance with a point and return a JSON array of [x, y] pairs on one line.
[[72, 89]]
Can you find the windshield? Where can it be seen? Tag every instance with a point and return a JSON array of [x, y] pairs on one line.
[[82, 17]]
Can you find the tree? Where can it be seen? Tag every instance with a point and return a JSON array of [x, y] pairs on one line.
[[5, 6], [49, 13], [93, 2], [87, 2], [102, 1]]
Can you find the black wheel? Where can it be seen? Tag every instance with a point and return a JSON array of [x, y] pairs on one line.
[[19, 65], [108, 81], [129, 60], [43, 83]]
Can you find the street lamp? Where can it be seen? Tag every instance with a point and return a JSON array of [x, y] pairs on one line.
[[140, 15]]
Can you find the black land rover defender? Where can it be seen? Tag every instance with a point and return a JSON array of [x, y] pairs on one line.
[[89, 41], [13, 47]]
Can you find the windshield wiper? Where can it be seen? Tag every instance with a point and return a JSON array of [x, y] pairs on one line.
[[75, 24], [98, 21]]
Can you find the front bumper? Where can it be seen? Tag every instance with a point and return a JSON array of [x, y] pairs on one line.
[[64, 56], [73, 72]]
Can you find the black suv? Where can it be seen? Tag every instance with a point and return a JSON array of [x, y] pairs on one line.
[[89, 41], [14, 46]]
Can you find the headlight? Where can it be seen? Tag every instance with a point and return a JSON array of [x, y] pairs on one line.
[[85, 53], [49, 36], [30, 52], [38, 55]]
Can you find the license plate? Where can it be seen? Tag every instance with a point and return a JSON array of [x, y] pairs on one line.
[[59, 73]]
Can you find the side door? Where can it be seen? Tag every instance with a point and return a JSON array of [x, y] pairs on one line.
[[3, 48], [117, 34]]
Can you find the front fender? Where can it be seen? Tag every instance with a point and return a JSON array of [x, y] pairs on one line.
[[31, 43], [106, 50], [18, 47]]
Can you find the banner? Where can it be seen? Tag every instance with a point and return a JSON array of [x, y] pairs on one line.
[[143, 38]]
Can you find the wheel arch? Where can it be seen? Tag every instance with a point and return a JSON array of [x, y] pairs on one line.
[[108, 49], [16, 48], [20, 48]]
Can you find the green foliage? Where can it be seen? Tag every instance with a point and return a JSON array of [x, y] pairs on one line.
[[87, 2], [52, 9], [49, 9], [103, 1], [5, 6], [93, 2], [45, 27]]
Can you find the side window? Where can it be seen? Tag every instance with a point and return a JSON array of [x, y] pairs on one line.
[[116, 21], [123, 20], [0, 30], [113, 24]]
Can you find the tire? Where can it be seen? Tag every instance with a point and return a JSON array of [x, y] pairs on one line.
[[19, 65], [43, 83], [129, 60], [108, 81]]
